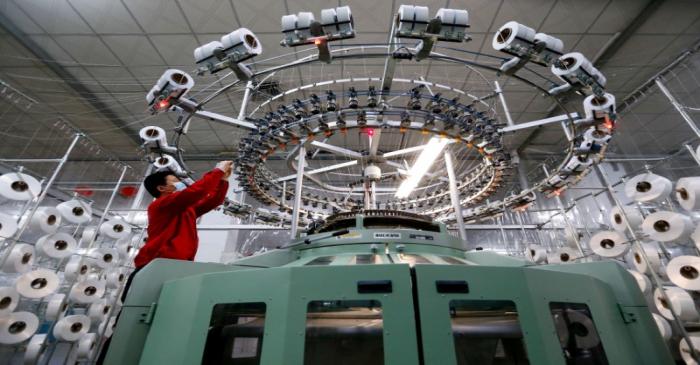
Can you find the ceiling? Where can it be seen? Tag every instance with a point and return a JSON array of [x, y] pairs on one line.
[[91, 62]]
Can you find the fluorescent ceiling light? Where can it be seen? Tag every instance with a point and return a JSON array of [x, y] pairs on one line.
[[426, 159]]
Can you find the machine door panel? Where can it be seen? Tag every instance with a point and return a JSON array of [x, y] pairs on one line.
[[480, 315], [360, 314]]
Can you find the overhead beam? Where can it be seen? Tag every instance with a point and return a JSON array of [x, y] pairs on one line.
[[215, 117], [336, 150], [538, 123], [625, 35], [404, 151], [320, 170]]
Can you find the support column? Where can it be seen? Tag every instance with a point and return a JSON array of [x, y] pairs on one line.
[[108, 206], [454, 195], [301, 161]]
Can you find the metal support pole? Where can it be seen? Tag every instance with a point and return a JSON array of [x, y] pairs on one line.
[[40, 198], [679, 107], [562, 211], [108, 206], [244, 103], [367, 195], [138, 199], [284, 195], [654, 276], [506, 111], [110, 311], [567, 131], [30, 160], [297, 189], [454, 195]]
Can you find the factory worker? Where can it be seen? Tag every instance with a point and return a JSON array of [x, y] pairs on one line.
[[172, 225]]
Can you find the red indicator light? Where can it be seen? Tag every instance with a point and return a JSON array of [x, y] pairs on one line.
[[369, 131], [163, 104]]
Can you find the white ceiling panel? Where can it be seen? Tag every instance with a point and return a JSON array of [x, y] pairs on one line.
[[573, 16], [54, 16], [106, 16], [260, 15], [52, 48], [19, 18], [672, 17], [86, 49], [590, 44], [617, 16], [373, 16], [481, 12], [210, 16], [176, 49], [158, 16], [532, 13], [133, 50], [14, 54], [640, 50]]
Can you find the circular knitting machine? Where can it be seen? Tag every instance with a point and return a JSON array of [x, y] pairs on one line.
[[383, 125]]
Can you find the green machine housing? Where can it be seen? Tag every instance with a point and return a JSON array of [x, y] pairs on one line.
[[384, 287]]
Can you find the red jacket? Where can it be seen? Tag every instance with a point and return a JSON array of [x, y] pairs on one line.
[[172, 219]]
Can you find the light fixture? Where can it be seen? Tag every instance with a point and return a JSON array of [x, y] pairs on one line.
[[425, 160]]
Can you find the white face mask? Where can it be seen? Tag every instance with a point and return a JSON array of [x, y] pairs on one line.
[[179, 186]]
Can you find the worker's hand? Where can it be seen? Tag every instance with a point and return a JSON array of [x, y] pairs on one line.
[[226, 167]]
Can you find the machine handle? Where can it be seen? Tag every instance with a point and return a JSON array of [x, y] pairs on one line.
[[374, 286], [452, 286]]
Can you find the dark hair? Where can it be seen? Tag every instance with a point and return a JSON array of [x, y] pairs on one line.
[[153, 181]]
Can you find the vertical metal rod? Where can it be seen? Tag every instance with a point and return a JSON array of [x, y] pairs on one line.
[[567, 131], [113, 304], [367, 196], [522, 174], [525, 239], [504, 105], [284, 195], [568, 223], [503, 232], [138, 199], [244, 102], [373, 194], [654, 276], [297, 188], [40, 198], [679, 107], [108, 206], [454, 195]]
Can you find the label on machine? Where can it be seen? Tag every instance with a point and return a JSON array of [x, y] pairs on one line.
[[387, 235]]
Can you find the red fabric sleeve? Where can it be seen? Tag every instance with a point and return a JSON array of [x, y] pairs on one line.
[[212, 200], [182, 200]]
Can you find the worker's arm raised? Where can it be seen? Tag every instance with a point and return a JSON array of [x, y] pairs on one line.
[[213, 199], [194, 193]]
